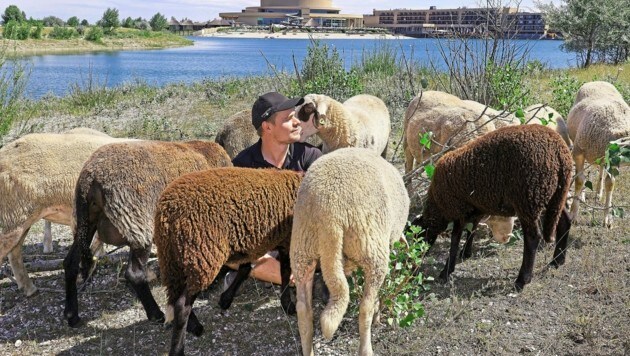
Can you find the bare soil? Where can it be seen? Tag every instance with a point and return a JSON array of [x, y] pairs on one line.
[[582, 308]]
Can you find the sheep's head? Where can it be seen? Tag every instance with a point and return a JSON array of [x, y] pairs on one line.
[[312, 114], [431, 228], [500, 226]]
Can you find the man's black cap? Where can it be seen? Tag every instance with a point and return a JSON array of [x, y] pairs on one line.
[[269, 104]]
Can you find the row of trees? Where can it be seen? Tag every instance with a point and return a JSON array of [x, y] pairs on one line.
[[598, 31], [17, 26]]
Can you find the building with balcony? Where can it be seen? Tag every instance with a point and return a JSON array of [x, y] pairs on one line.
[[476, 22], [313, 13]]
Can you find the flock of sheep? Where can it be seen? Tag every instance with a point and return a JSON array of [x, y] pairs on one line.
[[344, 213]]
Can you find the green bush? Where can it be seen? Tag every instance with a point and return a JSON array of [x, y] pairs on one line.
[[10, 30], [505, 85], [94, 34], [401, 291], [63, 33], [323, 72], [23, 31], [563, 90], [37, 32]]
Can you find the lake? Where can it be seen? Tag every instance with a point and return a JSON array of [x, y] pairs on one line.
[[212, 58]]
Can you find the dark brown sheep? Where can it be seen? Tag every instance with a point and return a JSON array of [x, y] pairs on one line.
[[207, 219], [522, 171], [116, 195]]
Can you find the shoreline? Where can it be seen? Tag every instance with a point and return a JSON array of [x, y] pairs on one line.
[[305, 35]]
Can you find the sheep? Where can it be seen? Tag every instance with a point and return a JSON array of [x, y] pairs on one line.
[[478, 179], [598, 116], [361, 121], [38, 173], [450, 126], [238, 133], [206, 219], [545, 115], [116, 195], [352, 205]]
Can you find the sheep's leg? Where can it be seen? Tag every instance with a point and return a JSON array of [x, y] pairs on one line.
[[285, 273], [71, 271], [562, 238], [600, 182], [304, 295], [579, 183], [610, 186], [452, 257], [532, 237], [17, 266], [228, 295], [182, 309], [194, 326], [136, 274], [408, 157], [470, 236], [47, 242], [374, 277]]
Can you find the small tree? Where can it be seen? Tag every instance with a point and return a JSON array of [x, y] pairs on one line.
[[158, 22], [95, 34], [73, 21], [52, 21], [110, 21], [12, 12], [85, 22], [37, 33], [128, 22]]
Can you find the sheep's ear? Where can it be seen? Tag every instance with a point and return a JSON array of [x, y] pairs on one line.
[[305, 112]]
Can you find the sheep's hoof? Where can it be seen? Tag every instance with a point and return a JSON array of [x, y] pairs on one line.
[[158, 317], [556, 262], [290, 309], [519, 286], [225, 301], [196, 330], [75, 322]]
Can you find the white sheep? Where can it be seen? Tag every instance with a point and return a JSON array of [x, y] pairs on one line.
[[545, 115], [599, 116], [351, 206], [361, 121], [38, 173]]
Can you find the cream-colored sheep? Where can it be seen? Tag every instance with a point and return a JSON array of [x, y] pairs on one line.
[[450, 126], [38, 173], [351, 206], [361, 121], [499, 118], [599, 115], [545, 115], [238, 133]]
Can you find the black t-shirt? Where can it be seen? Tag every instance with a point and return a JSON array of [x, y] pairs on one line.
[[299, 158]]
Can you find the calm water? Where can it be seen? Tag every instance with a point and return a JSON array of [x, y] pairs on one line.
[[222, 57]]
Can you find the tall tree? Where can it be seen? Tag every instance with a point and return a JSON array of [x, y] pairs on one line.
[[158, 22], [110, 21], [12, 12], [73, 21], [590, 28]]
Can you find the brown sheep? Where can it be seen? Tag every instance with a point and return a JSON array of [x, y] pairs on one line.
[[207, 219], [478, 179], [116, 195]]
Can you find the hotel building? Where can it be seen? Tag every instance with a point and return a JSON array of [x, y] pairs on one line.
[[461, 21], [314, 13]]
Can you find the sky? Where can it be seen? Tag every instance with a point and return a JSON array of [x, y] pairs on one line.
[[203, 10]]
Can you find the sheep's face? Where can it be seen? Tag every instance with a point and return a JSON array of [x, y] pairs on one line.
[[312, 119], [501, 227]]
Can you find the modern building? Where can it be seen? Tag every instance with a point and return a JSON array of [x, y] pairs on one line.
[[313, 13], [462, 21]]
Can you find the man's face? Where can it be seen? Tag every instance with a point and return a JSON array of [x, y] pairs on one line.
[[285, 127]]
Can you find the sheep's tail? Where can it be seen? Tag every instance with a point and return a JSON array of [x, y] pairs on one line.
[[332, 270], [555, 207], [170, 270]]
